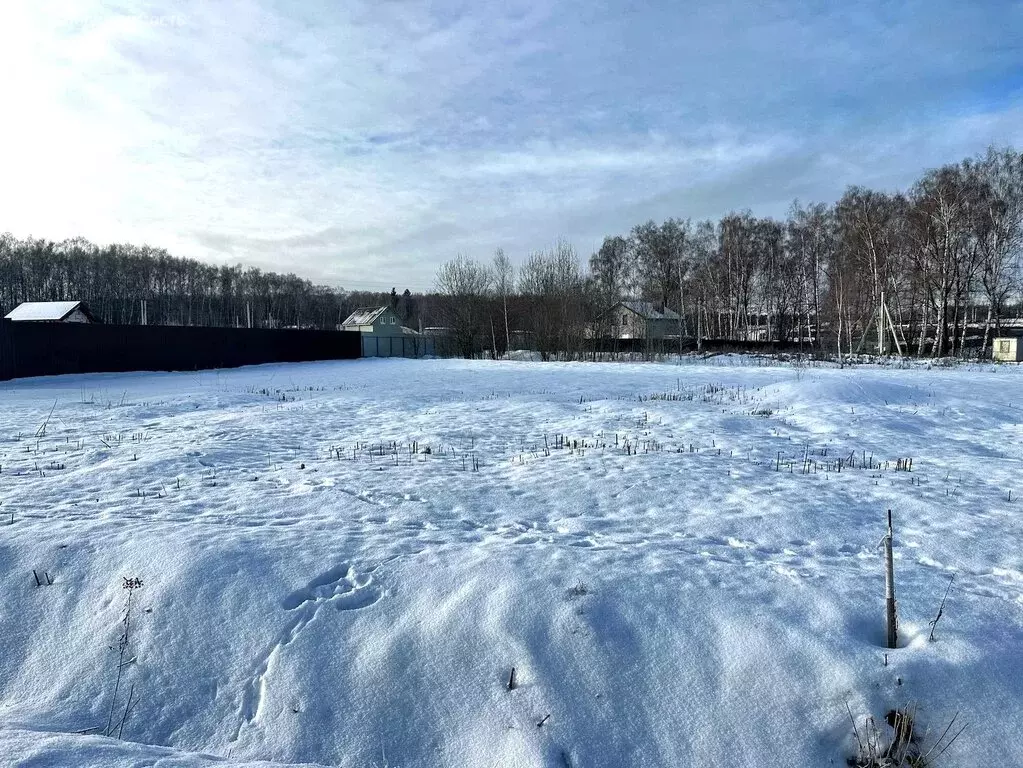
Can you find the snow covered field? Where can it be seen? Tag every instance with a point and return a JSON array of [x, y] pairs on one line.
[[667, 555]]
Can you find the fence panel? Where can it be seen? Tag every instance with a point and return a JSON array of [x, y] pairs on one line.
[[46, 349]]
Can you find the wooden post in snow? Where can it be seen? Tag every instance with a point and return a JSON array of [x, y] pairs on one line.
[[891, 615], [882, 332]]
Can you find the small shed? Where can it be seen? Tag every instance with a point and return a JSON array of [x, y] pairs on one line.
[[51, 312], [1007, 349]]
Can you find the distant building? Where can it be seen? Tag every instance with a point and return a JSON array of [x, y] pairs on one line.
[[383, 335], [1007, 349], [637, 320], [51, 312], [382, 321]]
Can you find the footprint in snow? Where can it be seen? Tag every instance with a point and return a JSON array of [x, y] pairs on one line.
[[341, 587], [338, 585]]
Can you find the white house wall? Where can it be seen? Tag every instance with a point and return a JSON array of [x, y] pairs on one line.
[[382, 327], [626, 324], [1007, 350], [76, 317]]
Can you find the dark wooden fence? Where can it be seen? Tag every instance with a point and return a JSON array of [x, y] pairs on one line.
[[45, 349]]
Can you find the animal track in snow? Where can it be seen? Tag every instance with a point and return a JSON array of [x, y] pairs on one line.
[[340, 584], [340, 587]]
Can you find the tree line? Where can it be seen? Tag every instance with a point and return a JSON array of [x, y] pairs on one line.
[[117, 281], [932, 270]]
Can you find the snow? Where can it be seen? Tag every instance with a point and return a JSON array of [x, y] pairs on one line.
[[693, 598], [364, 316]]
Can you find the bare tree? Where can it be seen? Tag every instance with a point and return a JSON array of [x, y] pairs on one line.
[[938, 219], [552, 284], [869, 226], [466, 284], [659, 254], [612, 269], [811, 243], [504, 284], [703, 280], [998, 228], [737, 250], [612, 273]]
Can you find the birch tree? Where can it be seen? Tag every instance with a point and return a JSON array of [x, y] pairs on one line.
[[504, 284], [998, 228]]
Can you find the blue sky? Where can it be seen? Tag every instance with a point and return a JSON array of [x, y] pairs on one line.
[[363, 143]]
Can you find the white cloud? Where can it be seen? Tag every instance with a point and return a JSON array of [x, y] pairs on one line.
[[365, 142]]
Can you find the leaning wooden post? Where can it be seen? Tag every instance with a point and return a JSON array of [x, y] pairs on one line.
[[891, 615]]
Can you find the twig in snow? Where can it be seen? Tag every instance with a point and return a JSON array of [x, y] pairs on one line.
[[130, 584], [856, 731], [127, 710], [41, 432], [941, 608], [943, 735]]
